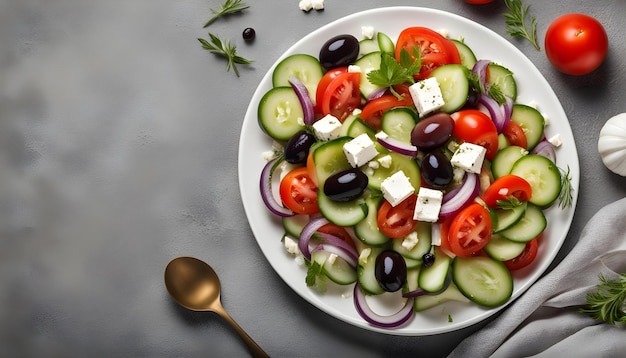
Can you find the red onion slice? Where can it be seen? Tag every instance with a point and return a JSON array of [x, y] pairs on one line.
[[392, 321], [480, 68], [344, 254], [376, 94], [305, 100], [338, 242], [546, 149], [266, 191], [397, 146], [496, 112], [467, 192], [307, 233]]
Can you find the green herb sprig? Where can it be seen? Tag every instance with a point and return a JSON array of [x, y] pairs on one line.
[[225, 49], [392, 73], [516, 25], [566, 194], [606, 303], [229, 7]]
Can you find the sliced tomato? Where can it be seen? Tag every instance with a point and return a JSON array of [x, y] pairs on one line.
[[342, 95], [505, 187], [525, 258], [435, 50], [337, 231], [474, 126], [397, 221], [373, 110], [470, 230], [323, 85], [310, 167], [444, 228], [514, 133], [298, 192]]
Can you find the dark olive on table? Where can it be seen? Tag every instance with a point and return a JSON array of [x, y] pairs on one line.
[[298, 146], [390, 270], [339, 51], [432, 131], [248, 34], [436, 169], [345, 185]]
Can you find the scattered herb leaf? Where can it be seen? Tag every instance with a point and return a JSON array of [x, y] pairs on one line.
[[510, 203], [392, 73], [225, 49], [516, 25], [229, 7], [565, 195], [315, 276], [606, 303], [496, 93]]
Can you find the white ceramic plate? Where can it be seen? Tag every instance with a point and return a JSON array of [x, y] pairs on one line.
[[486, 44]]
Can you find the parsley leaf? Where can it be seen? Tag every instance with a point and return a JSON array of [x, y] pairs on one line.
[[315, 276], [392, 73]]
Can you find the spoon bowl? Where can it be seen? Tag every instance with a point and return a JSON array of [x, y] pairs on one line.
[[193, 284]]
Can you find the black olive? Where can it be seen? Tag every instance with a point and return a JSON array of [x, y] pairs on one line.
[[298, 146], [433, 131], [428, 259], [390, 270], [436, 169], [339, 51], [345, 185], [248, 34]]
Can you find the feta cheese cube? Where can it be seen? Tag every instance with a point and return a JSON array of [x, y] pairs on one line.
[[367, 32], [305, 5], [469, 157], [332, 258], [385, 161], [317, 4], [428, 205], [291, 246], [327, 128], [556, 140], [396, 188], [364, 256], [360, 150], [354, 68], [427, 96], [410, 241], [373, 164]]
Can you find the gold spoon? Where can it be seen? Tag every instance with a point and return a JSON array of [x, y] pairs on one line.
[[195, 285]]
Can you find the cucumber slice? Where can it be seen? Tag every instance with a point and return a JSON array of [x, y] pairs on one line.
[[423, 231], [293, 225], [345, 126], [399, 122], [280, 113], [505, 158], [532, 223], [483, 280], [543, 176], [433, 278], [367, 46], [505, 218], [385, 43], [358, 127], [338, 270], [451, 293], [304, 67], [503, 78], [531, 121], [502, 142], [398, 162], [329, 159], [368, 63], [365, 272], [468, 59], [412, 274], [347, 213], [367, 230], [501, 249], [454, 85]]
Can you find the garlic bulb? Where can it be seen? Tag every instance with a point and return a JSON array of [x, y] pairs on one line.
[[612, 144]]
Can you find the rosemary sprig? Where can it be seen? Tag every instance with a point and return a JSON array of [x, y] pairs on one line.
[[225, 49], [516, 25], [606, 303], [229, 7], [565, 195]]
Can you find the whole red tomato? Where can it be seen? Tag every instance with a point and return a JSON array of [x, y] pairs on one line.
[[576, 44], [478, 1]]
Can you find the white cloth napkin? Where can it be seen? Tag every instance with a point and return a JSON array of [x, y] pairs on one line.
[[544, 321]]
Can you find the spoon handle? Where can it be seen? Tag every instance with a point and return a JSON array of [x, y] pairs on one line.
[[253, 347]]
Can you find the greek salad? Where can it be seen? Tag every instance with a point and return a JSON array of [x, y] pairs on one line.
[[406, 165]]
